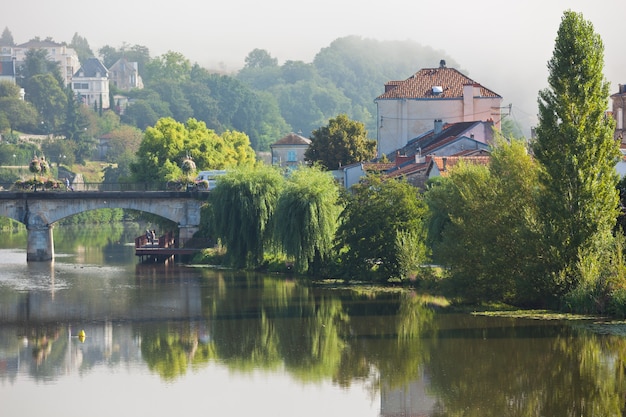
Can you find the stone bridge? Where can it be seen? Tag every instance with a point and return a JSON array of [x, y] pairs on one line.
[[40, 210]]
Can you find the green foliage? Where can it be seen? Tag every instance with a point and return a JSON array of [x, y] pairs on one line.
[[19, 114], [166, 145], [100, 216], [7, 38], [35, 63], [483, 227], [260, 58], [242, 208], [341, 143], [47, 95], [169, 67], [360, 67], [576, 149], [146, 112], [375, 214], [121, 140], [412, 253], [307, 217], [82, 48]]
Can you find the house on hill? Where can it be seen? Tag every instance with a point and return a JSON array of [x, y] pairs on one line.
[[289, 150], [91, 84], [124, 75], [58, 52], [408, 108]]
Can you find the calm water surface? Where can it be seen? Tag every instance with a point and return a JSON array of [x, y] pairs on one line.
[[178, 340]]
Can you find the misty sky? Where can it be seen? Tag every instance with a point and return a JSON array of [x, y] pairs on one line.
[[503, 45]]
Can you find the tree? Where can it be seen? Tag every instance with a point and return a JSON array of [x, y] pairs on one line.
[[308, 210], [144, 113], [576, 149], [82, 48], [483, 227], [168, 143], [74, 124], [308, 104], [16, 114], [242, 209], [8, 89], [342, 142], [19, 114], [36, 62], [7, 38], [171, 66], [121, 140], [49, 99], [376, 213], [260, 58]]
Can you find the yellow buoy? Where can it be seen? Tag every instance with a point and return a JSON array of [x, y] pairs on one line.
[[81, 334]]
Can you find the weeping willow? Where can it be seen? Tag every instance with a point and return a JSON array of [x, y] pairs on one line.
[[243, 204], [306, 217]]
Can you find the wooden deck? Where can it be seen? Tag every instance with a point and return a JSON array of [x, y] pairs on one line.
[[164, 248]]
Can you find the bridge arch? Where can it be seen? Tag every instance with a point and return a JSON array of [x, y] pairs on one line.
[[40, 210]]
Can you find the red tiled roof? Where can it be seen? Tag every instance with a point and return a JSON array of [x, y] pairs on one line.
[[293, 139], [444, 163], [420, 85], [410, 168]]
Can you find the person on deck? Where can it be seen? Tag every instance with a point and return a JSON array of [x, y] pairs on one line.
[[68, 186]]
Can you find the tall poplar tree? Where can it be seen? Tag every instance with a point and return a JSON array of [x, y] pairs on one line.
[[576, 149]]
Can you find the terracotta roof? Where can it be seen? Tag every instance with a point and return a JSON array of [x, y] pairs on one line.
[[444, 163], [420, 85], [410, 168], [292, 139]]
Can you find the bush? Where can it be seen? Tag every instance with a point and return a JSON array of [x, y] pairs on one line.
[[617, 303]]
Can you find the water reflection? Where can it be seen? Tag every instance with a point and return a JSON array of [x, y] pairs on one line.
[[176, 323]]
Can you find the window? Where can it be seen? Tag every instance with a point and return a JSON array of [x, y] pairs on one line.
[[291, 156]]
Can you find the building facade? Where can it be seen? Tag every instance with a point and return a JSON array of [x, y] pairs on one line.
[[91, 84], [124, 75], [409, 108], [65, 56], [289, 150]]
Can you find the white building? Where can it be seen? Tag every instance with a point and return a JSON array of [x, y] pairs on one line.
[[91, 84], [65, 56]]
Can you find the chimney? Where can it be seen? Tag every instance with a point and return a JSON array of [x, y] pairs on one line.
[[442, 63], [438, 126]]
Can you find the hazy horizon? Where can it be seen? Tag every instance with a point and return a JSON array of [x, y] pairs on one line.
[[504, 46]]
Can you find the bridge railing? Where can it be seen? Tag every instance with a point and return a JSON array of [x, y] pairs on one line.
[[102, 186]]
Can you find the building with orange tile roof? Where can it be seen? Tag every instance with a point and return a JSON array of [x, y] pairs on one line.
[[409, 108]]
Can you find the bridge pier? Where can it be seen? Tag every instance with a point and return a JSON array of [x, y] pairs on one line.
[[40, 246], [185, 233]]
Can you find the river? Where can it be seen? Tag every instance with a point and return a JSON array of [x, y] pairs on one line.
[[187, 340]]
